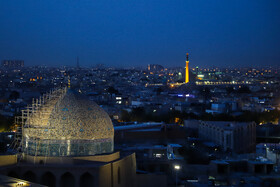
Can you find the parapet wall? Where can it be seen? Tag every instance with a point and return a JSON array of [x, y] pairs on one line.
[[71, 160], [7, 160]]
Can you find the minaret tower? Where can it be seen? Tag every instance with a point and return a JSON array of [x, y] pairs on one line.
[[187, 69], [69, 82]]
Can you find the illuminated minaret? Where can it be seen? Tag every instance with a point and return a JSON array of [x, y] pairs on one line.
[[187, 69]]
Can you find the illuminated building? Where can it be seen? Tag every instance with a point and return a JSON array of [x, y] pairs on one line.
[[68, 125], [155, 67], [187, 69], [68, 140]]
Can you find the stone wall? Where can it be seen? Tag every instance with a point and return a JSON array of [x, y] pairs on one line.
[[6, 160]]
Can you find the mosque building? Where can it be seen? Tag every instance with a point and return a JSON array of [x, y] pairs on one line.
[[68, 140], [68, 125]]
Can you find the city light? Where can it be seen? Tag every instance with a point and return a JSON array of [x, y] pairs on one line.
[[155, 97], [177, 167]]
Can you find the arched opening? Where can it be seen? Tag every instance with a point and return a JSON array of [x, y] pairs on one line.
[[67, 180], [86, 180], [29, 176], [13, 174], [81, 150], [63, 151], [48, 179]]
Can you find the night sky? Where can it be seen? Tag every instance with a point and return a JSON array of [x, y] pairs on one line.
[[126, 33]]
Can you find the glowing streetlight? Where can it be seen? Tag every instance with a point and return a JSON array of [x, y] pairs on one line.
[[177, 168]]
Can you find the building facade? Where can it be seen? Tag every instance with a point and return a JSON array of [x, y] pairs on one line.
[[231, 136]]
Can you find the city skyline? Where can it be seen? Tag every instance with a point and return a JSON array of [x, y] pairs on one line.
[[122, 34], [119, 93]]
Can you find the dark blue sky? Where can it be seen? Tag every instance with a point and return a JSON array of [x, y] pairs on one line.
[[136, 33]]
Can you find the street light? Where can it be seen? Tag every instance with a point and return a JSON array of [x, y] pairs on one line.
[[177, 168]]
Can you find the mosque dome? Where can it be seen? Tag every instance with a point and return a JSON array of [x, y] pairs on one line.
[[66, 123]]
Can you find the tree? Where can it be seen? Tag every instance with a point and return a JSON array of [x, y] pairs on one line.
[[112, 90], [244, 89], [5, 123], [138, 114], [125, 116], [159, 90], [14, 95]]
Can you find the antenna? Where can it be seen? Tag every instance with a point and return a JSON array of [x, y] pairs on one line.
[[69, 82], [78, 63]]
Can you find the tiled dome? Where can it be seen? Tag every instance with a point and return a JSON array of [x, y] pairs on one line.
[[69, 120]]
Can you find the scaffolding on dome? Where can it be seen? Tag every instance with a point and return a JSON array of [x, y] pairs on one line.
[[48, 99], [63, 123]]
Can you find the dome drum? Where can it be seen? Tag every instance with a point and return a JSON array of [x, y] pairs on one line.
[[56, 148]]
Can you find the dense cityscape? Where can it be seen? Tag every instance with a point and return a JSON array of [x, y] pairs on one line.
[[142, 93], [223, 123]]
